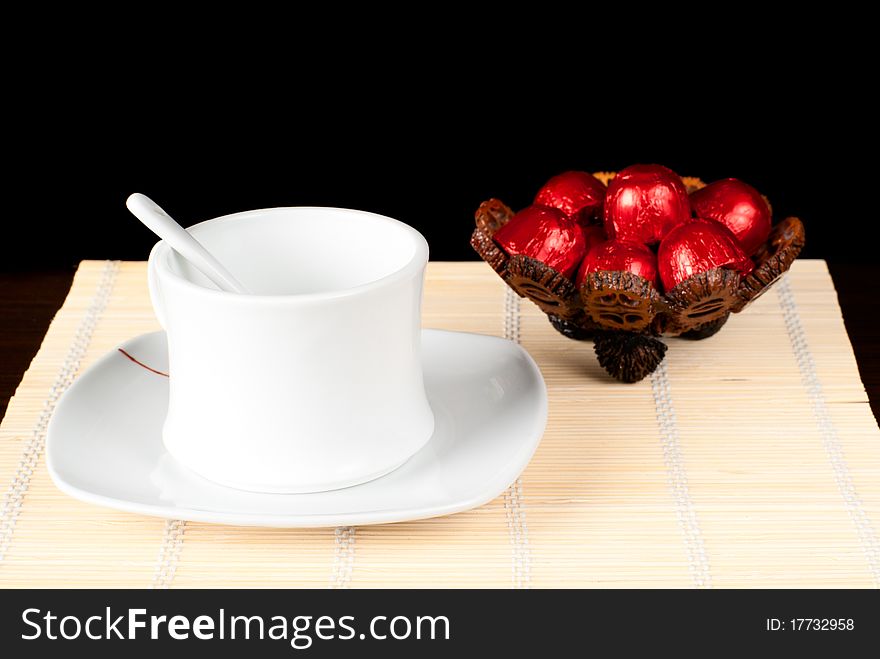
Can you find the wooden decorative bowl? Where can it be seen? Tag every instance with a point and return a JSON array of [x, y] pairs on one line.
[[624, 313]]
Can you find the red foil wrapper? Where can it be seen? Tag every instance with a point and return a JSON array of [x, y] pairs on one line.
[[620, 256], [547, 235], [696, 247], [577, 194], [644, 203], [739, 207]]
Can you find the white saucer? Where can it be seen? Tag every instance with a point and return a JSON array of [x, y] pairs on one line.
[[490, 403]]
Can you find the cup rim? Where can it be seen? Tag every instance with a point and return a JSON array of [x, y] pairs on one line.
[[160, 252]]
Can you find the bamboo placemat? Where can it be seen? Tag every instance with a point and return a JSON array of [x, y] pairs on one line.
[[750, 459]]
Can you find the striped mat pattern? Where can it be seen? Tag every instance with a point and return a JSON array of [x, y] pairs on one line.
[[750, 459]]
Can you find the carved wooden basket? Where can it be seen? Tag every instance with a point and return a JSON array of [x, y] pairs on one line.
[[625, 314]]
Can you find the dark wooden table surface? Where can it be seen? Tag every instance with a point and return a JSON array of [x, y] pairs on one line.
[[28, 301]]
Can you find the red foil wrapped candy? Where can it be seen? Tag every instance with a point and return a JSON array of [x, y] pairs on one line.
[[739, 207], [547, 235], [577, 194], [619, 256], [615, 300], [699, 246], [644, 203]]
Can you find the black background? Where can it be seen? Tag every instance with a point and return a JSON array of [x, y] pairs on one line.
[[426, 148]]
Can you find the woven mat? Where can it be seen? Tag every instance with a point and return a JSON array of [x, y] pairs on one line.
[[748, 459]]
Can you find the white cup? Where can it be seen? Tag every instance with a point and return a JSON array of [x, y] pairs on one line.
[[312, 383]]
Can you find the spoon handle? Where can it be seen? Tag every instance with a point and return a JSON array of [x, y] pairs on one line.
[[182, 242]]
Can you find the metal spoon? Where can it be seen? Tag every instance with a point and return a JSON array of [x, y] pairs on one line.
[[182, 242]]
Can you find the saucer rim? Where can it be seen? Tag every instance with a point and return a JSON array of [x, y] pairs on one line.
[[519, 461]]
